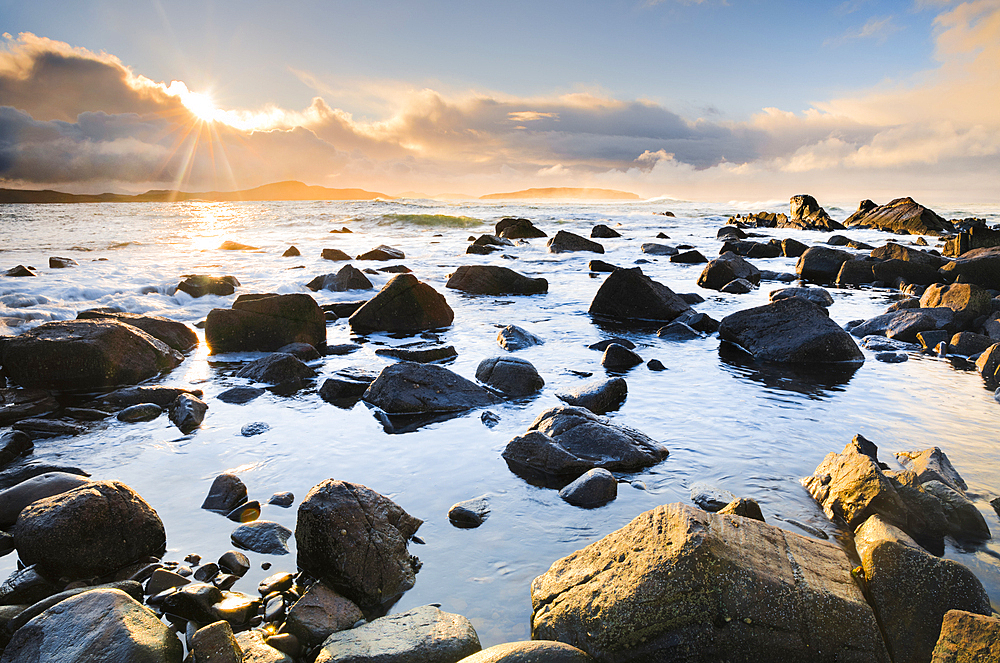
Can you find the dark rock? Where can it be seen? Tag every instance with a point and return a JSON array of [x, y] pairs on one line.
[[592, 489], [14, 444], [227, 493], [601, 346], [973, 238], [245, 513], [175, 334], [511, 376], [601, 266], [61, 263], [341, 349], [319, 613], [43, 428], [284, 499], [404, 304], [902, 216], [348, 278], [481, 249], [968, 301], [896, 251], [162, 396], [969, 343], [302, 351], [78, 414], [737, 287], [382, 252], [857, 272], [26, 470], [20, 270], [141, 412], [411, 388], [470, 513], [343, 309], [692, 257], [652, 249], [744, 507], [655, 365], [567, 242], [906, 324], [892, 357], [276, 368], [15, 498], [681, 584], [199, 285], [265, 324], [510, 228], [930, 339], [89, 531], [255, 428], [599, 396], [27, 586], [424, 634], [512, 338], [750, 249], [342, 392], [530, 651], [790, 330], [194, 601], [354, 540], [234, 562], [421, 356], [677, 331], [18, 404], [85, 355], [489, 419], [730, 231], [864, 207], [262, 536], [964, 522], [904, 271], [395, 269], [187, 412], [619, 358], [815, 295], [206, 572], [240, 395], [988, 364], [291, 252], [710, 498], [630, 295], [821, 264], [335, 255], [603, 232], [493, 280], [725, 269]]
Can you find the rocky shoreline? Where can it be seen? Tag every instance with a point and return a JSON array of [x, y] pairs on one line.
[[725, 586]]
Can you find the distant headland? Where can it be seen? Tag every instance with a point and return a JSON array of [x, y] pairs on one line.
[[563, 193]]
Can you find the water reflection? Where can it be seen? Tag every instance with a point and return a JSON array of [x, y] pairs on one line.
[[817, 381]]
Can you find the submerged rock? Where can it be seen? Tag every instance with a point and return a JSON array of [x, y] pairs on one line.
[[470, 513], [591, 489], [404, 304], [262, 536]]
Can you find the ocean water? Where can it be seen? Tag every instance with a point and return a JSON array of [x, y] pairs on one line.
[[751, 430]]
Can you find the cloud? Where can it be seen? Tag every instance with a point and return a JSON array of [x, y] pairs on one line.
[[876, 28]]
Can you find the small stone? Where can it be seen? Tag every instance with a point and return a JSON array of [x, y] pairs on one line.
[[234, 562], [227, 492], [490, 419], [142, 412], [709, 497], [206, 572], [285, 642], [262, 536], [737, 287], [745, 507], [240, 395], [283, 499], [595, 488], [255, 428], [619, 358], [892, 357], [279, 582], [163, 579], [470, 513], [245, 513], [655, 365]]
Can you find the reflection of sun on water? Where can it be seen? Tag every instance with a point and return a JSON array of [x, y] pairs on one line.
[[209, 224]]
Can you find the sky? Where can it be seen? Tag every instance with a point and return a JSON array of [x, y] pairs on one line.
[[693, 99]]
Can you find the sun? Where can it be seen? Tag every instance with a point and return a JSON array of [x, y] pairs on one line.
[[201, 105]]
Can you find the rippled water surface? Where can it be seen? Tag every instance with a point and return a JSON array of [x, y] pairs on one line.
[[753, 430]]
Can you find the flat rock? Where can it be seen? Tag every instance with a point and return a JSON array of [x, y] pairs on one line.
[[420, 355], [494, 280], [411, 388], [240, 395], [382, 252], [404, 304], [653, 249], [159, 395], [141, 412]]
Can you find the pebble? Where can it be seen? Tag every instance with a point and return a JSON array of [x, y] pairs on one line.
[[255, 428], [245, 513], [234, 562], [489, 419], [206, 572], [470, 513], [279, 582]]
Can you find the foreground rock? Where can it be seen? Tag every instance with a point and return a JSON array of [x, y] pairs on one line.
[[493, 280], [99, 625], [902, 216], [85, 355], [791, 330], [630, 295], [265, 323], [530, 651], [89, 531], [512, 376], [354, 540], [411, 388], [680, 584], [967, 637], [175, 334], [404, 304], [424, 634]]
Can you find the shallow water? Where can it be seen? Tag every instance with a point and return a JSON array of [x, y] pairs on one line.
[[749, 429]]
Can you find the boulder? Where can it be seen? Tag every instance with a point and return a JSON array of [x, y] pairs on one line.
[[601, 231], [792, 248], [517, 229], [158, 394], [895, 251], [86, 355], [382, 252], [968, 344], [808, 215], [226, 493], [511, 376], [818, 296], [599, 396], [530, 651], [965, 638], [90, 531], [964, 522], [601, 266], [424, 634], [56, 262], [902, 216], [14, 444], [689, 257], [629, 295], [591, 489], [199, 285], [568, 441], [175, 334], [619, 358], [988, 364], [18, 404], [821, 264], [967, 240], [411, 388], [967, 300], [567, 242], [512, 338], [187, 412], [354, 540], [493, 280], [215, 643], [348, 278], [678, 331], [18, 271], [334, 254], [98, 626], [15, 498], [302, 351], [276, 368], [751, 249], [907, 323], [680, 584], [791, 330], [856, 271], [932, 465], [725, 269], [653, 249], [319, 613], [265, 323], [737, 287], [404, 304]]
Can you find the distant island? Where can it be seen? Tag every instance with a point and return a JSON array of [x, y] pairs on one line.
[[563, 193], [275, 191]]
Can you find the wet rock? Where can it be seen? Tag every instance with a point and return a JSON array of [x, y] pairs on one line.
[[194, 601], [568, 441], [395, 269], [319, 613], [82, 414], [681, 584], [14, 444], [737, 287], [690, 257], [791, 248], [902, 216], [932, 465], [968, 301], [470, 513], [226, 493], [530, 651], [966, 636], [968, 344], [601, 346], [489, 419], [901, 272], [601, 266], [239, 395], [493, 280], [262, 536], [162, 396], [107, 621], [677, 331], [334, 254], [619, 358], [906, 324], [896, 251], [348, 278], [301, 351], [26, 470], [653, 249], [510, 375], [18, 404], [790, 330], [815, 295], [56, 262], [808, 215], [245, 513], [599, 396], [512, 338], [276, 368], [630, 295], [821, 264], [725, 269], [411, 388], [339, 391], [141, 412], [256, 650], [230, 245], [592, 489], [988, 364], [354, 540], [187, 412], [655, 365], [856, 271], [89, 531], [16, 498], [291, 252], [265, 323], [27, 586], [177, 335], [255, 428], [892, 357], [85, 355], [20, 270], [199, 285], [601, 231], [382, 252], [744, 507], [215, 644], [749, 249], [731, 230], [511, 228], [43, 428], [567, 242], [404, 304], [283, 499], [964, 522], [421, 356], [423, 634], [710, 498]]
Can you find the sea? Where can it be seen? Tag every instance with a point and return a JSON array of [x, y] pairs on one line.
[[753, 430]]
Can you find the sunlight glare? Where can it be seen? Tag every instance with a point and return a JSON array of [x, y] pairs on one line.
[[201, 106]]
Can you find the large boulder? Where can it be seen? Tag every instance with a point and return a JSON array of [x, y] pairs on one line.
[[85, 355], [968, 301], [15, 498], [808, 215], [725, 269], [680, 584], [407, 387], [493, 280], [631, 296], [896, 251], [354, 540], [511, 228], [175, 334], [512, 376], [821, 264], [348, 278], [404, 304], [98, 626], [425, 634], [967, 638], [89, 531], [265, 323], [791, 330], [932, 465], [903, 216], [567, 242]]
